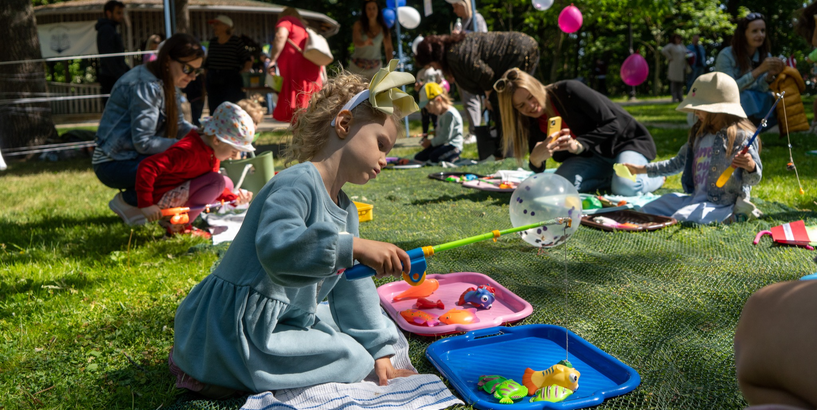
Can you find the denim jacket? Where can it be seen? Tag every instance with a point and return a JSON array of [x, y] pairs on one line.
[[738, 186], [133, 122], [726, 63]]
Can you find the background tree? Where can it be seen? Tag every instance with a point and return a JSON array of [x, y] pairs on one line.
[[22, 124]]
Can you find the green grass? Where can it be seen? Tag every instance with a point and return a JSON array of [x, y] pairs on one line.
[[87, 303]]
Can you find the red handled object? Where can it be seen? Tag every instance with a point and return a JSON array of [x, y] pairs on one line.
[[178, 216]]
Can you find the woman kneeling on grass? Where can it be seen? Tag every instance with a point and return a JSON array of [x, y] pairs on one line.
[[143, 117], [254, 324], [596, 133]]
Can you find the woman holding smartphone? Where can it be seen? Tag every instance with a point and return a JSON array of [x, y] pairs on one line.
[[594, 133]]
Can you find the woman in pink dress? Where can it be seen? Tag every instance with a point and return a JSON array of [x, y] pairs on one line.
[[301, 76]]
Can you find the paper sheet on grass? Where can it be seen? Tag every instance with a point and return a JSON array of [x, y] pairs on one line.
[[224, 225], [422, 391]]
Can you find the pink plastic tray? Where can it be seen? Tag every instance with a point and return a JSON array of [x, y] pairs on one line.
[[507, 307]]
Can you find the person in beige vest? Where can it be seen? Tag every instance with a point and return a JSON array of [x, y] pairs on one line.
[[675, 53]]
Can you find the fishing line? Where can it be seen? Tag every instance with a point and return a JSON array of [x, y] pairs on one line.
[[564, 306], [791, 165]]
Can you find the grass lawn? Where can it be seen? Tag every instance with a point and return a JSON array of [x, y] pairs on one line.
[[87, 304]]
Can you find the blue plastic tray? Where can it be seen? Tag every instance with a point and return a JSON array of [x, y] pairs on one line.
[[508, 351]]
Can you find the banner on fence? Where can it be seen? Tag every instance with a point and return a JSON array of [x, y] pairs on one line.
[[67, 39]]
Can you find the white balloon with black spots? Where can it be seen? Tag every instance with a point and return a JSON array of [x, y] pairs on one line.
[[543, 197]]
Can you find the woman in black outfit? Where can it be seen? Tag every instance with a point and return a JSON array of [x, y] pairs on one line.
[[227, 58], [596, 133], [478, 60]]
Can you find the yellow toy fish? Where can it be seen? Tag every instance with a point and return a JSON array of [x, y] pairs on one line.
[[553, 394], [562, 374]]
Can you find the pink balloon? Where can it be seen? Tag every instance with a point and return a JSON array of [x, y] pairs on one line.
[[570, 19], [634, 70], [446, 86]]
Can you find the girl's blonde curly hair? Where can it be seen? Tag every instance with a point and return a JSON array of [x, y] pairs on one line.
[[311, 125]]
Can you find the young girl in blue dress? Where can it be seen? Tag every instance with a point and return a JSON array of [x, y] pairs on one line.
[[256, 323], [714, 141]]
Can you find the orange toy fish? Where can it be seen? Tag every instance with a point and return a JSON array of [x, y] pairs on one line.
[[561, 374], [422, 290], [420, 318], [459, 316]]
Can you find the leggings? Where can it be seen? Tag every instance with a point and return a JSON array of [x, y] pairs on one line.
[[204, 190]]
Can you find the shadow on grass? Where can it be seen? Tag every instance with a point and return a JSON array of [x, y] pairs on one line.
[[498, 198], [20, 168], [53, 237], [68, 282]]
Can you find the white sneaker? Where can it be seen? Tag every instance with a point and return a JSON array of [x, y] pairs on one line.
[[131, 215], [470, 139]]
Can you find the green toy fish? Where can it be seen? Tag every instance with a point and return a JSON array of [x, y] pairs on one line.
[[504, 390], [553, 393]]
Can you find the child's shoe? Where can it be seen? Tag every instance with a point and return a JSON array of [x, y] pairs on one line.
[[130, 214]]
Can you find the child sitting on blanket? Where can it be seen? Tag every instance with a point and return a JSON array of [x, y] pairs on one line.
[[714, 144], [447, 142], [255, 324], [186, 174]]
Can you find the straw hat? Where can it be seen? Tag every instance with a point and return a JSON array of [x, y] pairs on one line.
[[714, 92]]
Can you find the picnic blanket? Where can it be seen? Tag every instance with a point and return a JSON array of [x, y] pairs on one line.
[[422, 391], [225, 224]]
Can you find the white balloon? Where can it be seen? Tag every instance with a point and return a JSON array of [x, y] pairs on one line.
[[415, 43], [542, 5], [542, 197], [408, 17]]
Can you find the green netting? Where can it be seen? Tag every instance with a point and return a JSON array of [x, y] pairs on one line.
[[664, 302]]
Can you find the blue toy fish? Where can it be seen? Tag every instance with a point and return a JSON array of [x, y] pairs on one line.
[[483, 296]]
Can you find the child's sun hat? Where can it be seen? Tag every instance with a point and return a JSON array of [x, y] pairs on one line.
[[429, 92], [233, 126], [713, 92]]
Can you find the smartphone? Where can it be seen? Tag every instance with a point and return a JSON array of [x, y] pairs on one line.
[[554, 124]]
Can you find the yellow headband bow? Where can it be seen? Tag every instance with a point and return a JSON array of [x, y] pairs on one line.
[[383, 93]]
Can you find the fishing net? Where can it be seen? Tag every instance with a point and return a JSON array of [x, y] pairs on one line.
[[664, 302]]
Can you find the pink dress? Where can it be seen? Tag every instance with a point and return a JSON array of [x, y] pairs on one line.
[[301, 76]]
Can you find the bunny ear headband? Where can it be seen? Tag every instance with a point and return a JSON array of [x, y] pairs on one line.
[[383, 93]]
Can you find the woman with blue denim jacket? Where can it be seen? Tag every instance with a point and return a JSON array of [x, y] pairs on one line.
[[748, 61], [713, 146], [135, 123]]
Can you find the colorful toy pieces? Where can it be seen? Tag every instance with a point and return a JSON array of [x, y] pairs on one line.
[[482, 297], [504, 390], [561, 374], [553, 393], [452, 317]]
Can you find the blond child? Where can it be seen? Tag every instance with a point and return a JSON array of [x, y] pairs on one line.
[[255, 324], [186, 174], [713, 145], [447, 142]]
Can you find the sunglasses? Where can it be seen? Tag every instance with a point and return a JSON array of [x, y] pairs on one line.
[[188, 69], [754, 16], [505, 82]]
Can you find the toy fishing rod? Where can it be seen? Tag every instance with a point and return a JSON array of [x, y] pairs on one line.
[[417, 274], [727, 173], [179, 216]]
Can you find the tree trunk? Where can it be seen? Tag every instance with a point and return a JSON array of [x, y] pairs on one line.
[[182, 17], [27, 123], [557, 56]]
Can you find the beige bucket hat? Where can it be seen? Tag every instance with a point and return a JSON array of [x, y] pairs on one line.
[[713, 92]]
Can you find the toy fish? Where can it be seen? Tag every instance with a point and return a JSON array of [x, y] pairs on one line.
[[504, 390], [482, 296], [420, 318], [459, 316], [553, 393], [562, 374], [422, 290], [424, 303]]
